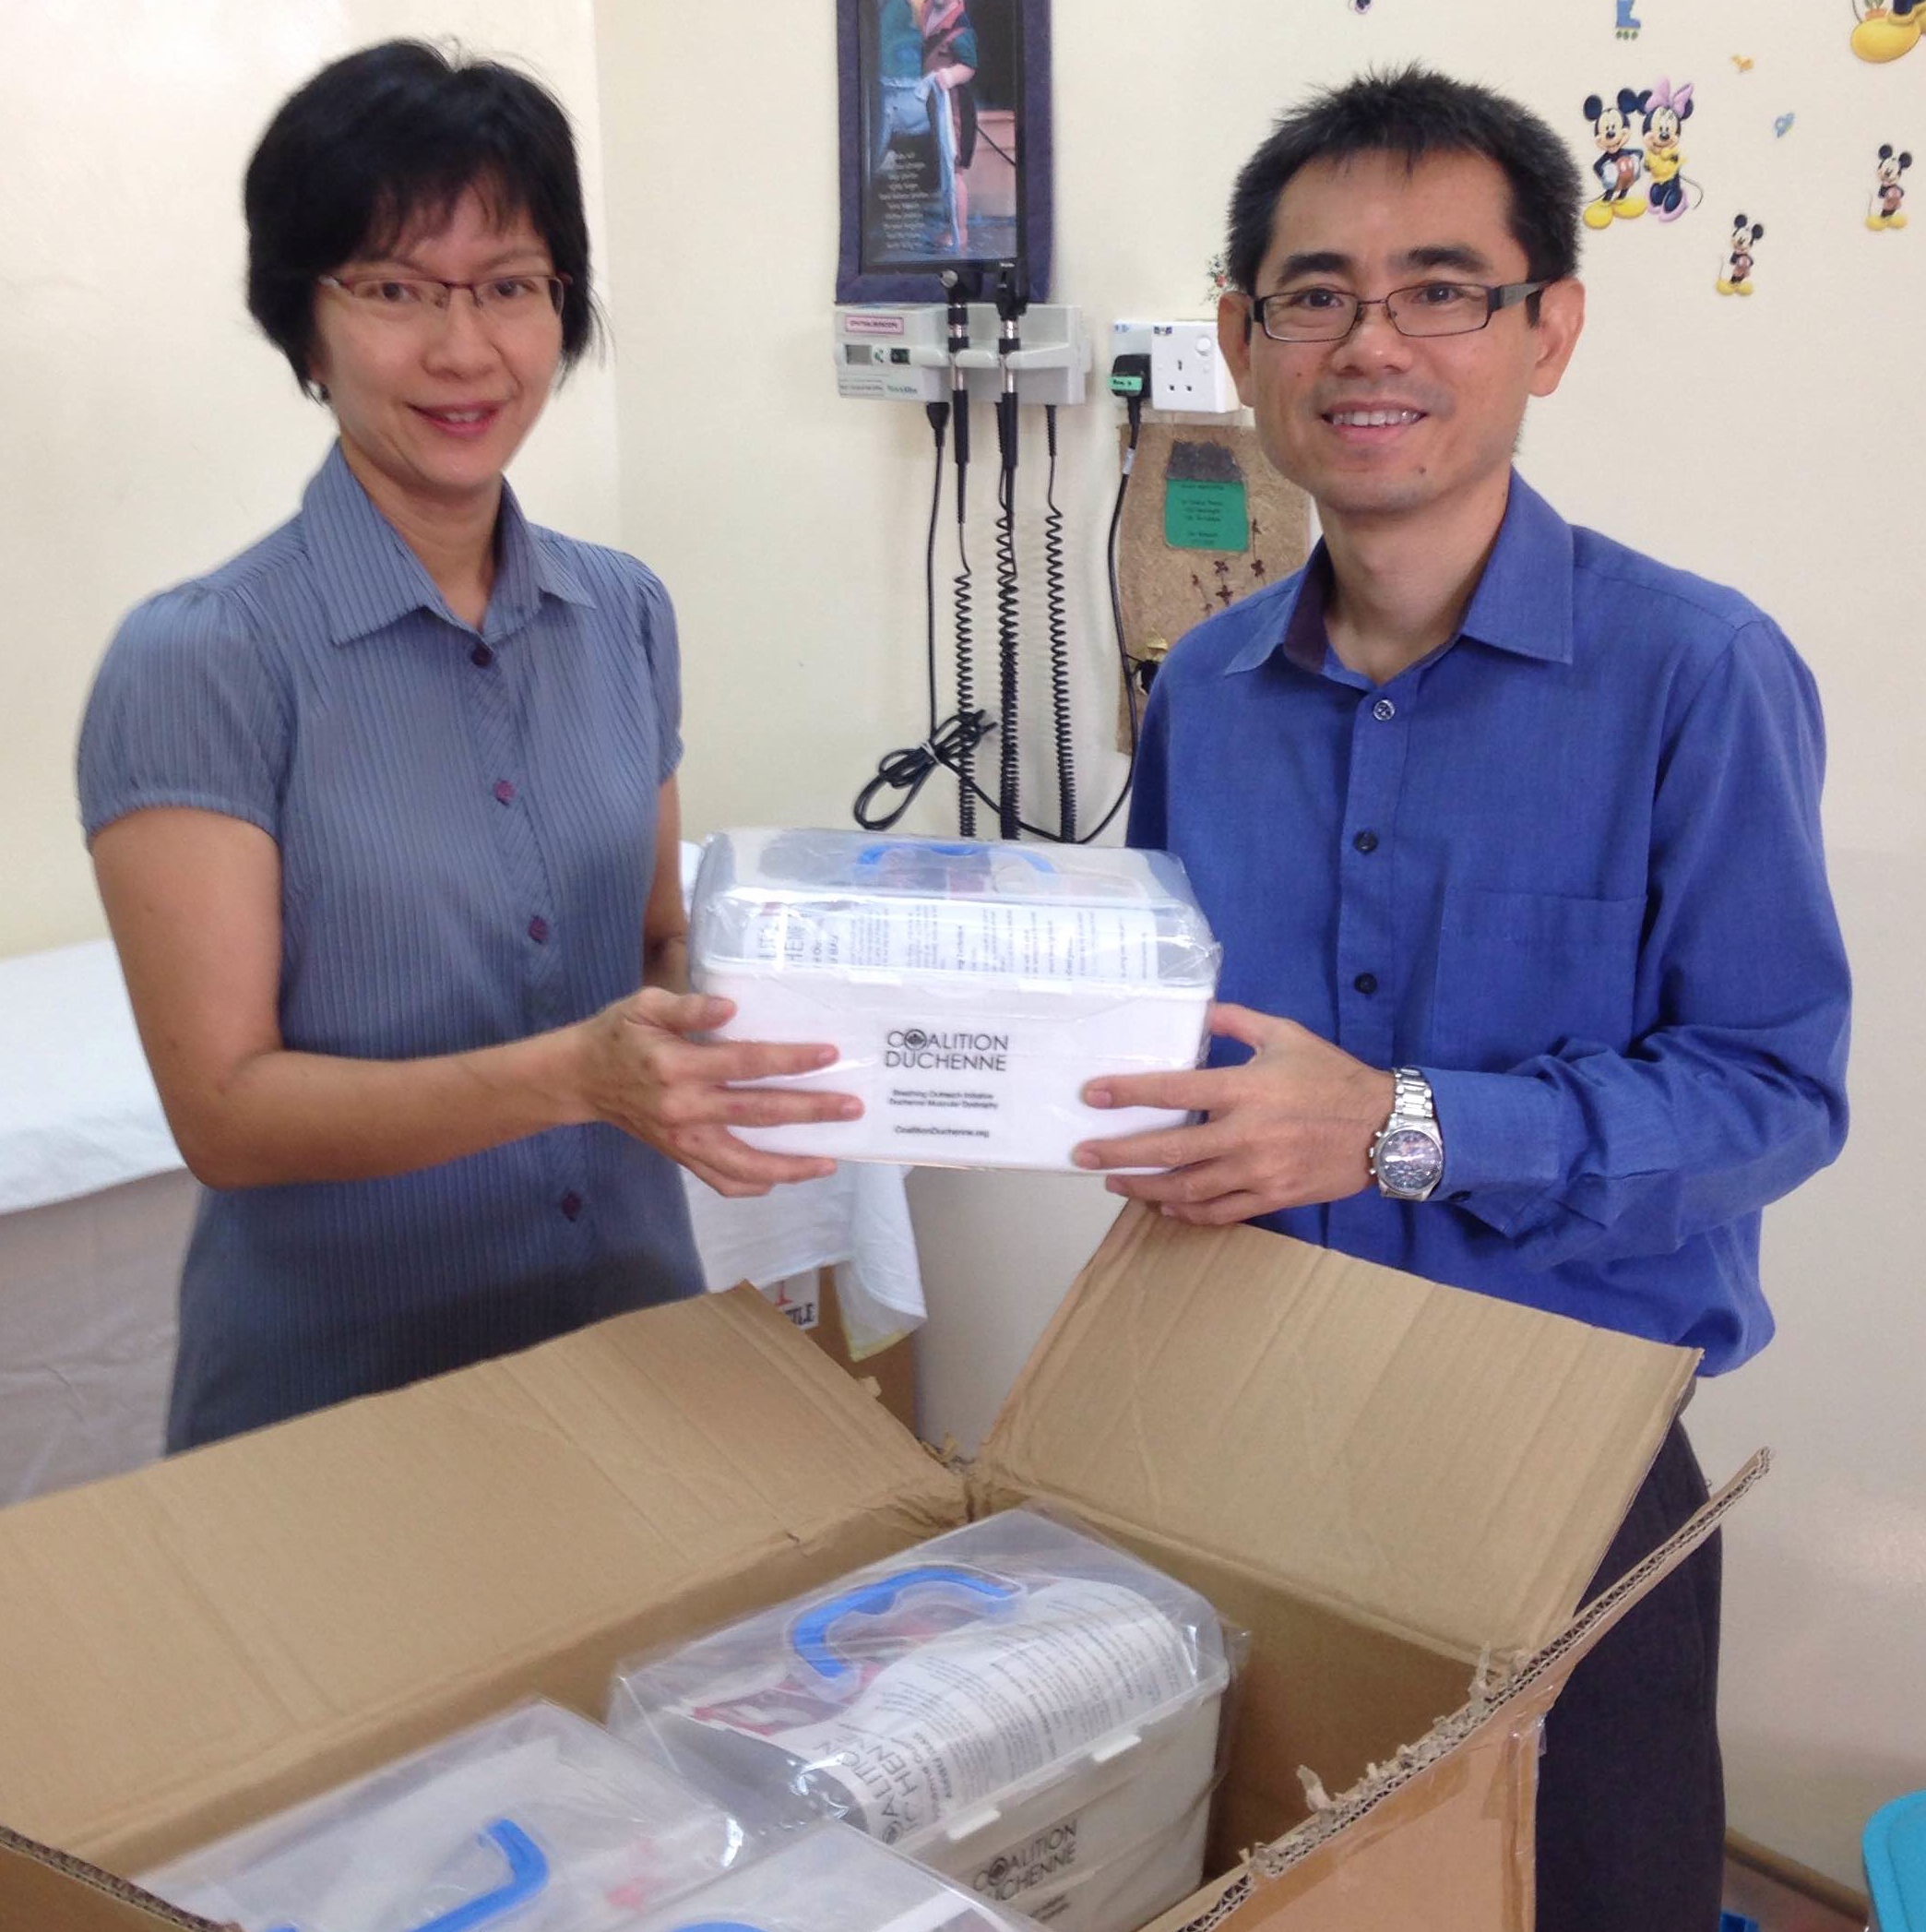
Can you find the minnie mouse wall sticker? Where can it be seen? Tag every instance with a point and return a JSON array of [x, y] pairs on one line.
[[1735, 278], [1888, 191], [1884, 33], [1670, 192]]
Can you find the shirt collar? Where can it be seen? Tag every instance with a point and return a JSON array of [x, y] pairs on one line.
[[1523, 603], [368, 577]]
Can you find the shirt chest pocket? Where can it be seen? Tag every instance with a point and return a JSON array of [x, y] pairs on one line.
[[1524, 973]]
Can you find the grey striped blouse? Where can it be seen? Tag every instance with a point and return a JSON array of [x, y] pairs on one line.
[[466, 827]]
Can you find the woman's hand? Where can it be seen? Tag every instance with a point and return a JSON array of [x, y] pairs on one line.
[[641, 1071]]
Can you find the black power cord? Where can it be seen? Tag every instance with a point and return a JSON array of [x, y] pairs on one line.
[[1130, 377], [1059, 625], [961, 284]]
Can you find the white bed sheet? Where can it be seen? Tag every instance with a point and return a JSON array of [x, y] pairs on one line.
[[96, 1206]]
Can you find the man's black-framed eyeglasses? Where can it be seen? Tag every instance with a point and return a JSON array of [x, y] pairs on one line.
[[1321, 314]]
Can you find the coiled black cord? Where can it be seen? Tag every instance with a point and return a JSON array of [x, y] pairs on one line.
[[965, 663], [1059, 624], [952, 743], [1008, 622]]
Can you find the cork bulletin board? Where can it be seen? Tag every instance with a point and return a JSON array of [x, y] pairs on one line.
[[1206, 521]]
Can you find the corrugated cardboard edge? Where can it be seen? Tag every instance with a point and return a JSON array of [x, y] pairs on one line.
[[82, 1898], [1537, 1679]]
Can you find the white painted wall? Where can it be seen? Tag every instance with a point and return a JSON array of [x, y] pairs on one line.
[[147, 430], [1774, 442]]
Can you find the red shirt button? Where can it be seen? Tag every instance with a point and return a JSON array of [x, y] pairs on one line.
[[504, 790], [482, 657], [538, 930], [572, 1205]]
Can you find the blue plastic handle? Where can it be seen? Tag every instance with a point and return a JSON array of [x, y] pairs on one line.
[[811, 1634], [871, 856], [528, 1874]]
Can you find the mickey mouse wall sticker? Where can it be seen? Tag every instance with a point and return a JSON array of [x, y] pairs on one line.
[[1735, 278], [1888, 191], [1620, 161], [1884, 33], [1640, 162]]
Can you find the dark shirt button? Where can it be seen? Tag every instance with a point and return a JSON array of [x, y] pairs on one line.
[[504, 790], [1365, 842], [1366, 983], [572, 1204], [1462, 1194], [538, 930], [1384, 710], [482, 657]]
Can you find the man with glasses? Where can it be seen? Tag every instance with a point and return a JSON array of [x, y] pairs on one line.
[[1511, 837]]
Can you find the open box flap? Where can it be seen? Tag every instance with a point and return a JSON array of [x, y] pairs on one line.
[[226, 1632], [1450, 1817], [1447, 1465]]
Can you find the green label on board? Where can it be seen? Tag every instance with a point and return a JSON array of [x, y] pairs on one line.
[[1205, 516]]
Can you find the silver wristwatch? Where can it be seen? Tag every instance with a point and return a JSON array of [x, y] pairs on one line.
[[1407, 1156]]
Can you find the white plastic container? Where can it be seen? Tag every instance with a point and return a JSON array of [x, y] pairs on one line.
[[833, 1880], [537, 1819], [1027, 1710], [971, 990]]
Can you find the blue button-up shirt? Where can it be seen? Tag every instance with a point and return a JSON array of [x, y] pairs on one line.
[[1570, 867], [467, 826]]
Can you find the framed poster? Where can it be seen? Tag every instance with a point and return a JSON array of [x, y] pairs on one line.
[[945, 144]]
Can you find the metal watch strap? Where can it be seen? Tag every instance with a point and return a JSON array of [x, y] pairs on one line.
[[1411, 1095]]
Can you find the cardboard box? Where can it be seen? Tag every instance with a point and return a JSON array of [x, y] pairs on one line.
[[1399, 1489], [810, 1303]]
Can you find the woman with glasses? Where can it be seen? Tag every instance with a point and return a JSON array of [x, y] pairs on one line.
[[383, 811]]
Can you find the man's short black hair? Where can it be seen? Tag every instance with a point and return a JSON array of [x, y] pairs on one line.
[[1414, 113], [390, 136]]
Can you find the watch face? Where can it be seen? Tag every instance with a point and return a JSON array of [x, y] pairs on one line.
[[1409, 1160]]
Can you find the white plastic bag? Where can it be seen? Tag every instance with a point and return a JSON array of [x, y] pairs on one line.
[[1020, 1706], [833, 1880], [537, 1820]]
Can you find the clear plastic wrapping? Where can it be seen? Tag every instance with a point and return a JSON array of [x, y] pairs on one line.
[[1026, 1709], [833, 1880], [537, 1819], [972, 989]]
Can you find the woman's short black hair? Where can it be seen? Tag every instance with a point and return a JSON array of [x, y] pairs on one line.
[[390, 136], [1416, 112]]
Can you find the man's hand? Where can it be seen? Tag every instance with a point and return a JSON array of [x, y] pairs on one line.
[[1294, 1124]]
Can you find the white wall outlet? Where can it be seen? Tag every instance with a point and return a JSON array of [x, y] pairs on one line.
[[1188, 371]]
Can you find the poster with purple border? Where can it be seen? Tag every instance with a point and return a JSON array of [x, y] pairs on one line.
[[945, 144]]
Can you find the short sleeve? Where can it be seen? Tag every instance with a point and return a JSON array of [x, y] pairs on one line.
[[660, 645], [186, 711]]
